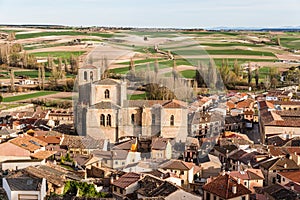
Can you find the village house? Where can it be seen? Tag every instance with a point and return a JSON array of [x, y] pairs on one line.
[[273, 166], [161, 148], [125, 185], [225, 187], [184, 170], [251, 178], [20, 185]]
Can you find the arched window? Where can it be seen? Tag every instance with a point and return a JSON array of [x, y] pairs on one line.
[[106, 94], [85, 75], [102, 120], [153, 119], [91, 76], [172, 120], [108, 120], [132, 119]]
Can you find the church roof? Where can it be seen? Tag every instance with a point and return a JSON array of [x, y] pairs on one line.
[[107, 81], [175, 104], [88, 67], [105, 105], [142, 103]]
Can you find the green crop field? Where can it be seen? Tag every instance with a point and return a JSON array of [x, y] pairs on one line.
[[40, 46], [28, 96], [292, 43], [58, 33], [205, 33], [34, 74], [61, 54], [188, 73], [223, 52], [137, 96]]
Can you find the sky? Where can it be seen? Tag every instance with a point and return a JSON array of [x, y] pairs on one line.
[[153, 13]]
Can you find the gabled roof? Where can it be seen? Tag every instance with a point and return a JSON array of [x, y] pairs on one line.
[[153, 187], [105, 105], [107, 81], [28, 142], [223, 149], [20, 181], [88, 67], [292, 175], [159, 143], [43, 154], [175, 104], [279, 192], [177, 164], [126, 180], [280, 164], [9, 149], [222, 187], [82, 142]]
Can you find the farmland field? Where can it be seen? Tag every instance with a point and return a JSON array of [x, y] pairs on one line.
[[28, 96]]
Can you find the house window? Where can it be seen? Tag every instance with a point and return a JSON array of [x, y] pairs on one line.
[[244, 198], [108, 120], [172, 120], [85, 76], [106, 94], [91, 76], [102, 120], [132, 119], [153, 119]]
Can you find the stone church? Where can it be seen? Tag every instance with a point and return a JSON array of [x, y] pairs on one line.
[[104, 112]]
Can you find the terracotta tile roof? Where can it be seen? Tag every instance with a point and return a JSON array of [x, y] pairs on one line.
[[159, 143], [290, 103], [126, 180], [153, 187], [230, 105], [43, 154], [82, 142], [21, 181], [280, 164], [175, 104], [248, 112], [88, 67], [245, 104], [223, 149], [107, 81], [49, 139], [28, 142], [285, 123], [125, 145], [279, 192], [292, 175], [177, 164], [237, 155], [142, 103], [222, 187], [105, 105], [9, 149]]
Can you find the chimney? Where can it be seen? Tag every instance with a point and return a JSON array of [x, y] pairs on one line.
[[292, 186], [234, 189], [117, 177], [285, 165], [111, 179], [239, 181]]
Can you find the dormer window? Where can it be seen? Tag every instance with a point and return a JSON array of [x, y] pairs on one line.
[[106, 94]]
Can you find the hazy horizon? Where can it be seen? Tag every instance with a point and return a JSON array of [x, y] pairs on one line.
[[152, 14]]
